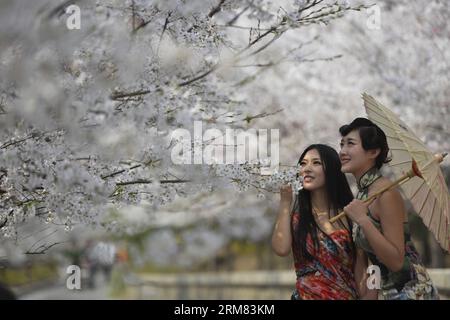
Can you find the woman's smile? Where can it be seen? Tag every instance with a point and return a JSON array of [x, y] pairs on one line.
[[345, 160]]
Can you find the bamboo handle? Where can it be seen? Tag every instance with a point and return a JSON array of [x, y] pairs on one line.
[[414, 171], [400, 181]]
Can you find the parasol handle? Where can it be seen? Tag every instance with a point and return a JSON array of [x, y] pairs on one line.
[[414, 171], [400, 181]]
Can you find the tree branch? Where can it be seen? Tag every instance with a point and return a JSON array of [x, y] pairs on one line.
[[60, 9], [236, 58], [312, 4], [119, 172], [14, 142], [216, 9], [185, 83], [234, 19], [5, 220], [166, 23], [144, 181], [121, 95]]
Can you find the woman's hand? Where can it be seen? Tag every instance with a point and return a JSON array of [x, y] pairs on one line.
[[357, 211], [281, 237], [286, 194]]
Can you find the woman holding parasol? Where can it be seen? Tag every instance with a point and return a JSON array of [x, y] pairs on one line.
[[381, 231]]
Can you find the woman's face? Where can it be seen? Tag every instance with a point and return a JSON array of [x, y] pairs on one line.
[[352, 154], [311, 170]]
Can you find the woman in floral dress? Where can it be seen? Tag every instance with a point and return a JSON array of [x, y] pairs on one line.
[[324, 255]]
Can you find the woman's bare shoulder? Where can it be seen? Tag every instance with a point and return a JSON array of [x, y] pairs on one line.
[[387, 198], [383, 182]]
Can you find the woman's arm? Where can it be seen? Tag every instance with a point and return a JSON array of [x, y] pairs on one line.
[[361, 276], [360, 272], [391, 251], [281, 237], [389, 245]]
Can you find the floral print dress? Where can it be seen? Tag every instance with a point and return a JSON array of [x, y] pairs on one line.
[[330, 275]]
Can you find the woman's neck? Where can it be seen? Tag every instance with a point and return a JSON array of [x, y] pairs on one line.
[[319, 200], [362, 171]]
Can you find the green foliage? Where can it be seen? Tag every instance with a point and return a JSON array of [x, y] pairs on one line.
[[24, 275]]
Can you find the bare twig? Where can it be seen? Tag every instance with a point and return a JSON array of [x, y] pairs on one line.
[[119, 172], [60, 9], [142, 25], [44, 248], [41, 239], [202, 75], [14, 142], [216, 9], [121, 95], [166, 23], [277, 36], [2, 106], [34, 233], [236, 58], [249, 118], [5, 220], [312, 4], [234, 19]]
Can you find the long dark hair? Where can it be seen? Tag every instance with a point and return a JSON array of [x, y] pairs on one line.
[[338, 195]]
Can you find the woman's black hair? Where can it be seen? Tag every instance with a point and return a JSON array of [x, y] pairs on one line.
[[338, 195], [372, 137]]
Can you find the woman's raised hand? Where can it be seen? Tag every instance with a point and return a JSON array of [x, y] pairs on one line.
[[286, 193]]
